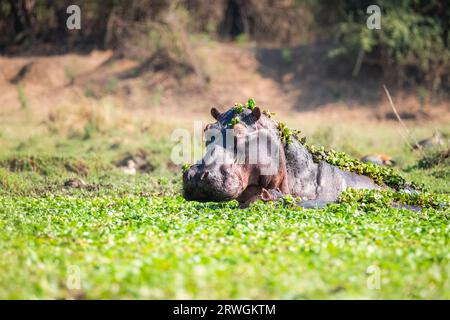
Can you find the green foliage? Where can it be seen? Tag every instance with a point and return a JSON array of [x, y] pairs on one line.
[[287, 134], [44, 165], [251, 103], [238, 108], [380, 174], [167, 248], [10, 181], [288, 201], [411, 46], [234, 121], [372, 200], [434, 158], [185, 167]]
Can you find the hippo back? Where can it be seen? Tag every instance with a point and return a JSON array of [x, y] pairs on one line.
[[318, 181]]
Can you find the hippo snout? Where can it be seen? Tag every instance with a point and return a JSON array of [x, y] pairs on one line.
[[216, 183]]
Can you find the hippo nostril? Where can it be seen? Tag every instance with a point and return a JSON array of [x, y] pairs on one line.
[[204, 175]]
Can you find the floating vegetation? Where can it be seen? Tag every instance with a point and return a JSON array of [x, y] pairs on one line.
[[372, 200]]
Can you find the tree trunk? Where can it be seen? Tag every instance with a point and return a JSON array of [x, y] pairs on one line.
[[22, 12]]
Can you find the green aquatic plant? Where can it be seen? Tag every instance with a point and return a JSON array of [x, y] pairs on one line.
[[234, 121], [381, 175], [238, 108], [288, 134], [140, 240], [372, 199], [185, 167], [251, 103]]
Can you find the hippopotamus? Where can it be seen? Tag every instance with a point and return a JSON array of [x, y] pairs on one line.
[[240, 165]]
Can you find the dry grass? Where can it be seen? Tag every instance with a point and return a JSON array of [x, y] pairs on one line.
[[80, 119]]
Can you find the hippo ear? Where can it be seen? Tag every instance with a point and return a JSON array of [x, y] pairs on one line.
[[215, 113], [256, 113]]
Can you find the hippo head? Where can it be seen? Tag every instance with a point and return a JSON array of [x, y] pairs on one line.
[[225, 172], [213, 179]]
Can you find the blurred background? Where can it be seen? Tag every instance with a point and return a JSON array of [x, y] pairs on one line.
[[106, 97]]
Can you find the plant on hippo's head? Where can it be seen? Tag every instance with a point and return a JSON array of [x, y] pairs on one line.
[[234, 121], [250, 104], [185, 167], [238, 108]]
